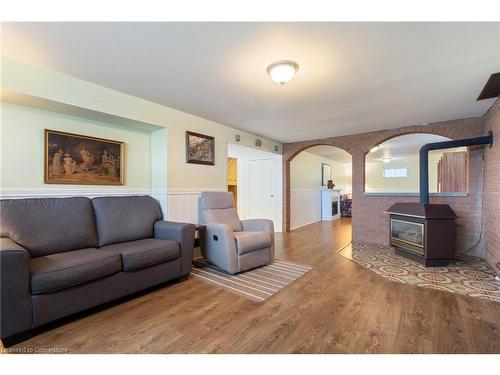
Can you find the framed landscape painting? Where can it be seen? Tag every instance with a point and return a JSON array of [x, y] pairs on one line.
[[200, 148], [79, 159]]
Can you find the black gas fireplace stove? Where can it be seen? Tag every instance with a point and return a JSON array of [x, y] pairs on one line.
[[422, 231]]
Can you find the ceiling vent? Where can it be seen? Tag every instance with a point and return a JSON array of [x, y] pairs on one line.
[[492, 88]]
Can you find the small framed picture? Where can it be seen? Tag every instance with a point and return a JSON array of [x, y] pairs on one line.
[[200, 148], [326, 173], [82, 160]]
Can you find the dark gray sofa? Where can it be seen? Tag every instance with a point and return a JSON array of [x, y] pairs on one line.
[[60, 256]]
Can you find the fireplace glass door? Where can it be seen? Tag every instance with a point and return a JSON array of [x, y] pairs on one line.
[[407, 234]]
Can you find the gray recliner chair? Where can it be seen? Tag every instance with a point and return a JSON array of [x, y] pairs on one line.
[[229, 243]]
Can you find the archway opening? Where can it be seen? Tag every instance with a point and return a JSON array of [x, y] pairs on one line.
[[321, 192], [392, 167]]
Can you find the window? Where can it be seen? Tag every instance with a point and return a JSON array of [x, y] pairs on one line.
[[394, 172]]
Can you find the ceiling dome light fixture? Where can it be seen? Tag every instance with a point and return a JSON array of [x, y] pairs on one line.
[[386, 160], [282, 71]]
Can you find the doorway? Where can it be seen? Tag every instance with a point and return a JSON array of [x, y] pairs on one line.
[[254, 178], [321, 189], [232, 178]]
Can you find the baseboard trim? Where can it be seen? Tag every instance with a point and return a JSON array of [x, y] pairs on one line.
[[303, 225]]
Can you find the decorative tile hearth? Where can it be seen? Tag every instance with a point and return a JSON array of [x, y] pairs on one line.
[[471, 276]]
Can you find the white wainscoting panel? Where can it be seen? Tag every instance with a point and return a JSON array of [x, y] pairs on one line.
[[183, 205], [305, 207]]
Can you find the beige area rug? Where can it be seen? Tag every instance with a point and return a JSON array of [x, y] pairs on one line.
[[471, 276], [258, 284]]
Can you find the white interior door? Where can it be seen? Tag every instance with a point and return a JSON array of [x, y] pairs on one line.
[[263, 190]]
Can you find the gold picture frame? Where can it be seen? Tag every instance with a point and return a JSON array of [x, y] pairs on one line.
[[77, 159]]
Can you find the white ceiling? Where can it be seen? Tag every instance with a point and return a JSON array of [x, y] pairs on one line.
[[353, 77]]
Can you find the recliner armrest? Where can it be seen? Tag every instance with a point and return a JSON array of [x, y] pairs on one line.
[[182, 233], [15, 290], [260, 225]]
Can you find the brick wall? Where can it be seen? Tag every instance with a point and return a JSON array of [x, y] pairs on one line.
[[369, 223], [492, 188]]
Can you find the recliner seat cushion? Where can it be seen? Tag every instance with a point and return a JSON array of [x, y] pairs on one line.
[[144, 253], [54, 272], [46, 226], [122, 219], [251, 241]]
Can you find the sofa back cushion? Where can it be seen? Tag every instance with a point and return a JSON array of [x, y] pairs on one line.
[[121, 219], [46, 226]]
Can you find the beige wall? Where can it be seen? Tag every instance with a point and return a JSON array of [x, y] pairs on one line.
[[37, 82], [305, 172]]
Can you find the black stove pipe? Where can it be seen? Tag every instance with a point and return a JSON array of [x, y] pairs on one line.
[[424, 158]]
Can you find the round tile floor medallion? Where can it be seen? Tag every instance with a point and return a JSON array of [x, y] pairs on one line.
[[393, 270], [471, 276], [400, 262], [482, 286], [434, 277], [475, 274]]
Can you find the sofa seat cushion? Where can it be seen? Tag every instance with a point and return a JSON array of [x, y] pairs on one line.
[[144, 253], [251, 241], [54, 272]]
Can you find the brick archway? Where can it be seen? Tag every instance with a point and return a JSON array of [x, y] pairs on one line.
[[385, 137], [319, 143], [286, 173], [359, 145]]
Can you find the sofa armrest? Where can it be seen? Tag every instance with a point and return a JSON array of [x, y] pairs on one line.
[[218, 246], [15, 291], [182, 233], [260, 225]]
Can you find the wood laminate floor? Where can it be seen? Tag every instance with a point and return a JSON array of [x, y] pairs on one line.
[[338, 307]]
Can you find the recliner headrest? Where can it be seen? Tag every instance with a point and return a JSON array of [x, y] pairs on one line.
[[211, 200]]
